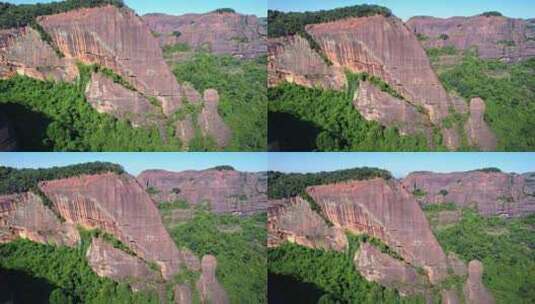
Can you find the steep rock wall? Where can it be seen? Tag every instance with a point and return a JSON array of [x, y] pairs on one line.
[[492, 193], [494, 37], [239, 35], [209, 288], [385, 210], [293, 220], [226, 190]]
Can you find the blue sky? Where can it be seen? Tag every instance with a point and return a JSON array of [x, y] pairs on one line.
[[408, 8], [134, 163], [400, 164], [179, 7]]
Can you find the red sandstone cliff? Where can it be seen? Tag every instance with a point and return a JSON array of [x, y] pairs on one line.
[[226, 190], [221, 33], [494, 37], [491, 193]]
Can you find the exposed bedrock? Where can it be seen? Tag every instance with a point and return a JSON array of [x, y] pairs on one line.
[[494, 37], [376, 105], [209, 288], [210, 123], [106, 96], [379, 267], [117, 39], [491, 193], [239, 35], [291, 59], [294, 221], [8, 138], [385, 210], [107, 261], [183, 294], [478, 132], [225, 190], [118, 205], [22, 51], [24, 215], [474, 290]]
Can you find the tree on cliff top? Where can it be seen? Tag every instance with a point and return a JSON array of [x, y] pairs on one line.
[[492, 14], [224, 10]]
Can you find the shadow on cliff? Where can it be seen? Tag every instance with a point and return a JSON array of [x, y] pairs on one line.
[[30, 127], [289, 133], [283, 289], [21, 287]]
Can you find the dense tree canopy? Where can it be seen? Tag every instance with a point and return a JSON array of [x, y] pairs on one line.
[[12, 15], [291, 184], [14, 180]]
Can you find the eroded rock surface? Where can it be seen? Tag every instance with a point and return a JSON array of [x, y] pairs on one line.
[[474, 290], [478, 132], [225, 190], [378, 267], [491, 193], [117, 39], [209, 288], [239, 35], [494, 37], [211, 124], [106, 96], [385, 210], [8, 139], [107, 261], [24, 215], [183, 294], [118, 205], [294, 221]]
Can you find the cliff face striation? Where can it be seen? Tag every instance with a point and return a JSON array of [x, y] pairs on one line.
[[242, 36], [494, 37], [225, 190], [491, 193]]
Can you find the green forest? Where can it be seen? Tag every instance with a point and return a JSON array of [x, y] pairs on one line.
[[13, 180], [282, 185]]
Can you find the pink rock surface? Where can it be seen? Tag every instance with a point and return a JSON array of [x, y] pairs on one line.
[[474, 290], [239, 35], [209, 288], [488, 34], [491, 193], [479, 133], [378, 267], [24, 215], [226, 190], [294, 221], [118, 205], [182, 294], [385, 210], [210, 122]]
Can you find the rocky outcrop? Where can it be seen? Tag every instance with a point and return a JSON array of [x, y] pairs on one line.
[[474, 290], [294, 221], [23, 52], [291, 59], [376, 105], [385, 210], [210, 123], [479, 133], [183, 294], [209, 288], [225, 190], [106, 96], [118, 205], [491, 193], [110, 262], [8, 139], [495, 37], [449, 296], [239, 35], [24, 215], [379, 267]]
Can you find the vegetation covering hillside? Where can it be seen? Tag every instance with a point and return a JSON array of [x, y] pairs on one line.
[[12, 15], [507, 89], [14, 180], [283, 185]]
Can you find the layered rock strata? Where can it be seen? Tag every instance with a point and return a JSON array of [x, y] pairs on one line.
[[239, 35], [494, 37], [294, 221], [491, 193], [225, 190], [385, 210]]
